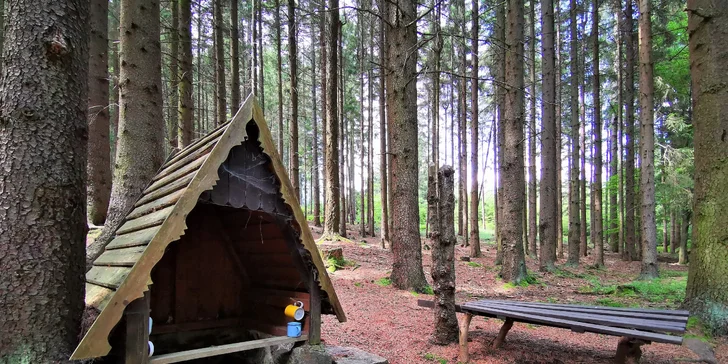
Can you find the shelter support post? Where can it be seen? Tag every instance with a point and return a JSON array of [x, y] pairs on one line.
[[464, 356], [314, 330], [137, 331], [629, 351], [502, 333]]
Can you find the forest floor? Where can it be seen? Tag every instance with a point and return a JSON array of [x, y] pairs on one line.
[[388, 322]]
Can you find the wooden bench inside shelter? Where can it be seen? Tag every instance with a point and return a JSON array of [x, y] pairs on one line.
[[635, 326]]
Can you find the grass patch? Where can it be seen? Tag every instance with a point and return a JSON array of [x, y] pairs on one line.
[[525, 282], [383, 282], [474, 264], [429, 290], [666, 273], [665, 290], [435, 358], [357, 284], [608, 302], [332, 264], [595, 286]]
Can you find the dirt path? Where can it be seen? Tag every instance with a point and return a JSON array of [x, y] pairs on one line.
[[388, 322]]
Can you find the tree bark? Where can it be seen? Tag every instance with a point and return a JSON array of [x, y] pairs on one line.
[[279, 75], [185, 107], [141, 124], [383, 145], [597, 130], [401, 78], [629, 193], [332, 210], [443, 259], [99, 159], [474, 188], [574, 184], [43, 140], [532, 250], [685, 226], [293, 64], [550, 209], [499, 60], [707, 296], [235, 57], [647, 144], [559, 194], [514, 265], [315, 163], [221, 97], [173, 56]]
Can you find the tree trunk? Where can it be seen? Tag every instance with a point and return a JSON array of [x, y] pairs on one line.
[[235, 58], [685, 226], [499, 60], [43, 140], [559, 195], [532, 135], [707, 296], [474, 188], [673, 233], [114, 7], [401, 73], [370, 125], [184, 88], [139, 149], [99, 164], [383, 145], [332, 211], [279, 75], [315, 163], [261, 64], [574, 197], [293, 64], [647, 145], [443, 259], [514, 265], [629, 193], [173, 56], [548, 218], [597, 130], [221, 99]]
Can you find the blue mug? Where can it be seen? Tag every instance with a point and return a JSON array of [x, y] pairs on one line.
[[294, 329]]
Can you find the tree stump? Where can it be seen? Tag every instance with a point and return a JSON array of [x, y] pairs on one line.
[[443, 261]]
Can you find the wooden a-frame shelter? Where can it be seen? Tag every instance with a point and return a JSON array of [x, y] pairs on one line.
[[212, 251]]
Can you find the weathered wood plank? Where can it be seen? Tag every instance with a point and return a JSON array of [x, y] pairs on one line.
[[156, 205], [180, 183], [315, 314], [224, 349], [120, 257], [153, 219], [136, 238], [203, 149], [97, 296], [574, 325], [197, 144], [279, 301], [109, 277], [267, 246], [595, 310], [618, 309], [137, 331], [599, 319], [188, 168], [159, 329], [270, 260]]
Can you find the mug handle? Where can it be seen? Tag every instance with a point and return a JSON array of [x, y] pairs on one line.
[[298, 303], [298, 329]]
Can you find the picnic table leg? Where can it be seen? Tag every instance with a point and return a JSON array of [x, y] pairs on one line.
[[464, 356], [502, 333], [629, 351]]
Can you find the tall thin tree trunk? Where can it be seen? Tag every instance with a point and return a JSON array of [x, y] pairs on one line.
[[184, 87], [560, 205], [221, 98], [315, 191], [514, 265], [114, 121], [383, 145], [474, 188], [401, 69], [685, 225], [499, 59], [370, 125], [293, 122], [532, 133], [574, 218], [332, 213], [597, 130], [279, 75], [261, 63], [342, 136], [548, 218], [616, 199], [99, 164], [629, 193], [173, 78], [43, 140], [235, 57]]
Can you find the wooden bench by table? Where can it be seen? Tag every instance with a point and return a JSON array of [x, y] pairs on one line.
[[636, 326]]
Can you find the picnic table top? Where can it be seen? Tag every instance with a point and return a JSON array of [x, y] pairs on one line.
[[647, 324]]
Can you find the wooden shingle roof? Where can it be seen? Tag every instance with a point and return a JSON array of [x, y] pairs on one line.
[[123, 272]]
